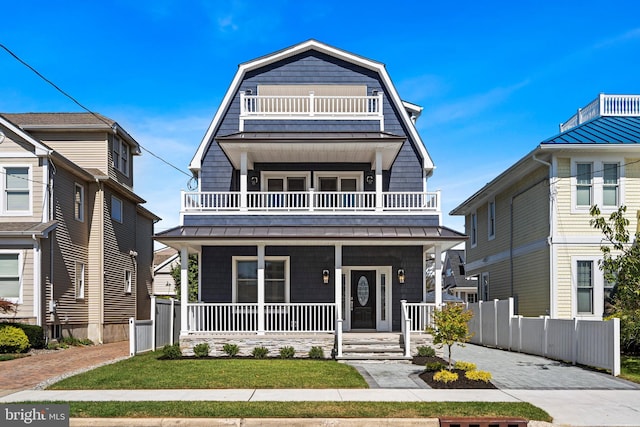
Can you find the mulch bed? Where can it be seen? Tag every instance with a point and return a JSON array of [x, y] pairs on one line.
[[462, 381]]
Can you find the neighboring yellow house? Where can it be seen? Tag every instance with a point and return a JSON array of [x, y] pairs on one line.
[[529, 229], [75, 242]]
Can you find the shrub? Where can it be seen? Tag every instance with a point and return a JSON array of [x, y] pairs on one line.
[[71, 340], [13, 340], [445, 376], [451, 326], [230, 349], [260, 352], [316, 353], [474, 375], [465, 366], [434, 366], [201, 350], [171, 351], [34, 333], [426, 351], [287, 352]]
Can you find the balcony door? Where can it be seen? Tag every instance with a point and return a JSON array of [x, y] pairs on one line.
[[293, 188]]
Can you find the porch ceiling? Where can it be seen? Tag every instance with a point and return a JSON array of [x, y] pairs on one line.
[[196, 236], [312, 147]]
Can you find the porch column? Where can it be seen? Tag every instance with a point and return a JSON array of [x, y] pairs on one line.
[[338, 296], [261, 289], [243, 181], [424, 276], [184, 289], [438, 278], [379, 181]]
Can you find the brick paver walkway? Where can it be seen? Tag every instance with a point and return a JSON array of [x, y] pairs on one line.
[[28, 372]]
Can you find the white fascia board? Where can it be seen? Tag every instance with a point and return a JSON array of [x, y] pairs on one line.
[[196, 162], [40, 149], [167, 261]]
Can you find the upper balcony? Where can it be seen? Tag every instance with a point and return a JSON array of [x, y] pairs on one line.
[[603, 106], [310, 202], [311, 107]]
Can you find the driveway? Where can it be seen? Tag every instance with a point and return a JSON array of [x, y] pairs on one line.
[[29, 372]]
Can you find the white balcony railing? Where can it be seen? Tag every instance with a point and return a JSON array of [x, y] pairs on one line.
[[244, 318], [309, 201], [310, 105], [602, 106]]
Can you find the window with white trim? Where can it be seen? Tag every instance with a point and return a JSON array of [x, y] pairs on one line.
[[610, 183], [79, 279], [17, 190], [127, 281], [116, 209], [584, 284], [584, 184], [78, 202], [598, 182], [276, 279], [120, 156], [10, 278], [491, 219], [473, 226]]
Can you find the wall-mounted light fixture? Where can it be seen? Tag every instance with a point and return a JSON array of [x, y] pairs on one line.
[[248, 92], [254, 180], [369, 179], [325, 276], [401, 276]]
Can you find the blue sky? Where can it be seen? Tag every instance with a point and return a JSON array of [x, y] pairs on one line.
[[494, 78]]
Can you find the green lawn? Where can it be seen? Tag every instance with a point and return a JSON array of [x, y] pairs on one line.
[[147, 371], [306, 409], [630, 368]]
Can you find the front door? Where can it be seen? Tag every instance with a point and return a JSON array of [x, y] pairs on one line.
[[363, 296]]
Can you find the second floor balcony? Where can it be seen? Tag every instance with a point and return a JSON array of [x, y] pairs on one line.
[[310, 202]]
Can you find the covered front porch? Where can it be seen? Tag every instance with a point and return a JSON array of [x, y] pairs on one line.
[[334, 280]]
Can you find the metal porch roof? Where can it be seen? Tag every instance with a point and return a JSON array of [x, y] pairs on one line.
[[603, 130]]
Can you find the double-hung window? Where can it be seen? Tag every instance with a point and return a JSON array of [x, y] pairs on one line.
[[121, 156], [610, 183], [474, 229], [17, 191], [584, 283], [78, 202], [584, 184], [275, 280], [79, 280], [116, 209], [10, 279], [597, 182], [491, 219], [128, 279]]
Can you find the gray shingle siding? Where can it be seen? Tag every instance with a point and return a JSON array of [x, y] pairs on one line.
[[316, 68]]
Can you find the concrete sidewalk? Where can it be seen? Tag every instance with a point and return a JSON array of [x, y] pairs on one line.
[[567, 407]]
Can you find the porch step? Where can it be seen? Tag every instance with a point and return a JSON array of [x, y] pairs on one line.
[[373, 347]]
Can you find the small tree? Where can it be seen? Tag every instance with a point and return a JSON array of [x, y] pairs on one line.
[[450, 326], [193, 278], [621, 265]]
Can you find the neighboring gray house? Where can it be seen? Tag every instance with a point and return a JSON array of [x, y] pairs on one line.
[[312, 210], [76, 244], [454, 278], [164, 261]]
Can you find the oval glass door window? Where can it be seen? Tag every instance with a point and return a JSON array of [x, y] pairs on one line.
[[363, 290]]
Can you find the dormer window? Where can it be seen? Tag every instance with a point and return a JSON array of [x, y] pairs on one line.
[[121, 156]]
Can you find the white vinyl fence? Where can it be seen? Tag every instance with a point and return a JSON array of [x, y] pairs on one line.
[[163, 327], [587, 342]]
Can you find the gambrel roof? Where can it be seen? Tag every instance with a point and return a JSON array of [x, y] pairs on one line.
[[377, 67]]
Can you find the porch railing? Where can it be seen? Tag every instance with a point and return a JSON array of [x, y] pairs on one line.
[[259, 106], [416, 317], [244, 318], [604, 105], [310, 201]]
